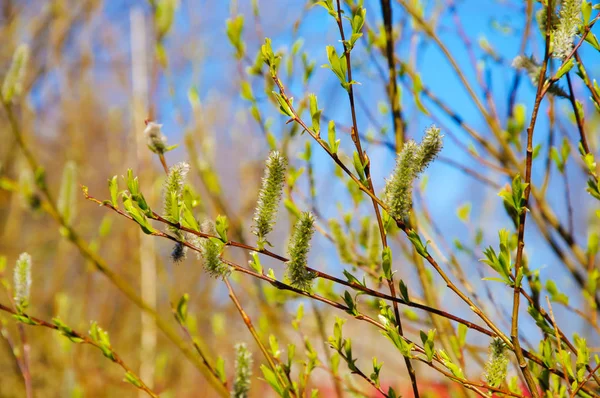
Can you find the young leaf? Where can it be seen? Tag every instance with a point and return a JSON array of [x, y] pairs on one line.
[[113, 188], [221, 225]]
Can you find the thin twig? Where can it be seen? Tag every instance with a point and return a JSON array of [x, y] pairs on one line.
[[117, 359]]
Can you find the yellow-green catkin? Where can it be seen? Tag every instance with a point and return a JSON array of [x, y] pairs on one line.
[[412, 160], [22, 281], [243, 371], [497, 364], [298, 248], [269, 197], [568, 23]]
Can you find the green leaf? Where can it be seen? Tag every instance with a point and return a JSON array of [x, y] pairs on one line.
[[333, 143], [338, 65], [291, 207], [234, 28], [359, 166], [131, 378], [255, 262], [350, 303], [220, 369], [66, 330], [299, 316], [428, 343], [221, 225], [386, 262], [454, 369], [113, 188], [417, 243], [164, 16], [271, 378], [39, 176], [536, 151], [182, 308], [352, 279], [417, 88], [187, 218], [404, 291], [274, 346], [565, 68], [246, 91], [25, 319], [462, 334], [101, 338], [66, 197], [593, 40], [315, 114], [586, 11], [283, 105], [401, 344], [328, 5], [555, 294], [592, 245], [463, 212], [137, 215], [376, 370], [556, 159], [583, 356]]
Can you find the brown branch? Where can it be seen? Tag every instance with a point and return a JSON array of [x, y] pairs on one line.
[[283, 286], [398, 121], [255, 335], [117, 359], [514, 331], [197, 347], [365, 159]]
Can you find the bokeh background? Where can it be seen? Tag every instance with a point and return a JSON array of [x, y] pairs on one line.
[[94, 78]]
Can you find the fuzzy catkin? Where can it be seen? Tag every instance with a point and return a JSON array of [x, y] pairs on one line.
[[210, 253], [243, 371], [398, 190], [533, 69], [412, 160], [172, 195], [174, 188], [269, 197], [428, 148], [22, 281], [497, 364], [155, 139], [298, 248], [570, 18]]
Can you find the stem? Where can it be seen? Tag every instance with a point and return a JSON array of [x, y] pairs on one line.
[[514, 330], [255, 335], [196, 346], [117, 359], [365, 160], [397, 119], [578, 119], [282, 286]]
